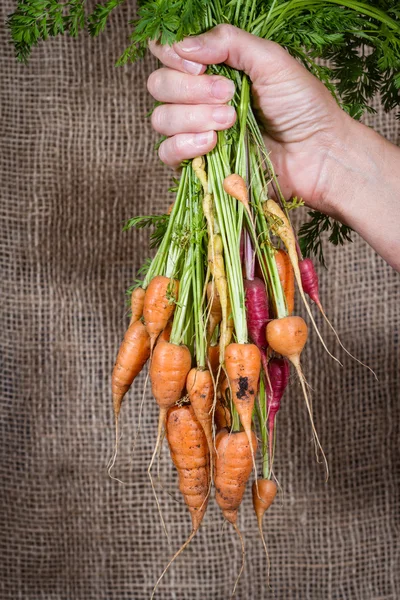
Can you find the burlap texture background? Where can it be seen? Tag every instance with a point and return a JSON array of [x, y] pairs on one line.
[[77, 160]]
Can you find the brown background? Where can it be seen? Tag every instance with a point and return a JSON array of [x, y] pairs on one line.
[[76, 161]]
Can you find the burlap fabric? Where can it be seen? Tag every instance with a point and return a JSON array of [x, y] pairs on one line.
[[76, 161]]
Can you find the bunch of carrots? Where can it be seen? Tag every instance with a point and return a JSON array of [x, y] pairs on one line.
[[214, 319]]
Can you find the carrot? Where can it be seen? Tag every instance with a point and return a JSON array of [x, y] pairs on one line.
[[264, 492], [243, 364], [137, 301], [213, 359], [233, 465], [166, 333], [222, 415], [132, 356], [257, 314], [282, 228], [288, 336], [159, 304], [286, 275], [278, 371], [189, 453], [235, 186], [169, 368], [200, 389], [214, 313], [217, 268], [309, 280], [170, 207]]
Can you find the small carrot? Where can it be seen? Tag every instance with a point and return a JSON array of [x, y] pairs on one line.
[[166, 333], [137, 301], [286, 275], [288, 336], [200, 389], [233, 465], [282, 228], [159, 304], [278, 371], [214, 312], [257, 314], [189, 453], [264, 492], [132, 356], [169, 368], [222, 415], [243, 365], [213, 359], [235, 186], [309, 280]]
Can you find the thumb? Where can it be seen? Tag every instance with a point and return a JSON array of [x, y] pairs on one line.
[[239, 49]]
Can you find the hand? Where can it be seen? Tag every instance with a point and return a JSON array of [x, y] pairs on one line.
[[336, 164], [301, 119]]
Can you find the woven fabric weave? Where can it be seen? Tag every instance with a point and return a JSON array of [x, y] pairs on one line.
[[77, 159]]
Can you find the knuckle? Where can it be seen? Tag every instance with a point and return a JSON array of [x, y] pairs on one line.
[[154, 83], [225, 30], [158, 118], [163, 152]]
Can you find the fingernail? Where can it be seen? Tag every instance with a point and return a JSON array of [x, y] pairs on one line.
[[203, 139], [223, 114], [223, 89], [189, 44], [192, 67]]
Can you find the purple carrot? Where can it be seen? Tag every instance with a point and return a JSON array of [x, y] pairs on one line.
[[278, 372], [309, 280], [257, 313]]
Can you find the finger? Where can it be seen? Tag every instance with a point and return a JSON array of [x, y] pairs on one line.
[[167, 55], [237, 48], [186, 145], [168, 85], [170, 119]]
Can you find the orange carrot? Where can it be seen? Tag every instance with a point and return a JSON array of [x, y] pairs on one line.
[[286, 275], [169, 368], [200, 389], [159, 304], [264, 492], [235, 186], [189, 453], [213, 359], [243, 365], [166, 333], [214, 313], [288, 336], [170, 207], [222, 415], [132, 356], [233, 465], [137, 301]]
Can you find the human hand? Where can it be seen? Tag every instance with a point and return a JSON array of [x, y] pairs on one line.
[[302, 121]]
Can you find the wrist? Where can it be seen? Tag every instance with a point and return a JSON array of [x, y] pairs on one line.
[[351, 168], [362, 187]]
